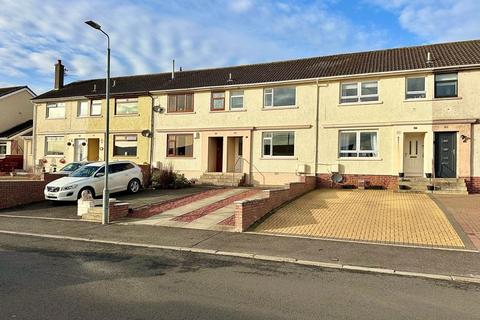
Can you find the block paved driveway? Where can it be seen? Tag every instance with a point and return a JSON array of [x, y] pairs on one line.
[[365, 215]]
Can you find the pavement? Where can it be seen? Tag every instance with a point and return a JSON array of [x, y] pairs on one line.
[[366, 215], [51, 279], [401, 260]]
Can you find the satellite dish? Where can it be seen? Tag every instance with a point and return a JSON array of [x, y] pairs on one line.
[[146, 133], [337, 177]]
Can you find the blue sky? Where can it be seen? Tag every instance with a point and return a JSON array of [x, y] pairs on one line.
[[147, 35]]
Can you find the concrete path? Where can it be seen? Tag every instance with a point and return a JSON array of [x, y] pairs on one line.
[[166, 218]]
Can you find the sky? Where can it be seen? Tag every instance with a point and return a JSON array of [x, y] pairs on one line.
[[147, 35]]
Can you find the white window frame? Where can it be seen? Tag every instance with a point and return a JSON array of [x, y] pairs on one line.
[[271, 92], [121, 100], [5, 144], [235, 94], [79, 104], [46, 147], [96, 102], [358, 151], [128, 137], [359, 95], [270, 139], [55, 105], [424, 92]]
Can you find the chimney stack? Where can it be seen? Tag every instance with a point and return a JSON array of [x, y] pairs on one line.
[[59, 75]]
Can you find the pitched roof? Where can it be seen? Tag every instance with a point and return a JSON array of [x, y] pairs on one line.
[[17, 129], [8, 90], [398, 59]]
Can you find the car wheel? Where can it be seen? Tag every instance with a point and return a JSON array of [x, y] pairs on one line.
[[90, 190], [134, 186]]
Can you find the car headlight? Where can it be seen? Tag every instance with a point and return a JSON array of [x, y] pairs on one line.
[[70, 187]]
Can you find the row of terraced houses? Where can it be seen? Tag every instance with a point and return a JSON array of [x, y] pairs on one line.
[[358, 119]]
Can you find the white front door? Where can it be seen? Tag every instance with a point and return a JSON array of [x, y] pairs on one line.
[[80, 153], [239, 155], [413, 154]]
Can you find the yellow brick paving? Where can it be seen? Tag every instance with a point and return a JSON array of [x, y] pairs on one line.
[[365, 215]]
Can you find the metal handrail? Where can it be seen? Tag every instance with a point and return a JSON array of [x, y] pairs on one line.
[[249, 163]]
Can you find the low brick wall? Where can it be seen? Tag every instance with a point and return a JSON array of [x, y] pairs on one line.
[[384, 181], [18, 192], [248, 212], [473, 184], [118, 211]]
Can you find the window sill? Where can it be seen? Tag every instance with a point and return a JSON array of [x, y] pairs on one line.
[[55, 156], [121, 156], [430, 100], [226, 111], [86, 117], [64, 118], [178, 113], [127, 115], [279, 158], [360, 159], [186, 158], [360, 103], [279, 108], [447, 98]]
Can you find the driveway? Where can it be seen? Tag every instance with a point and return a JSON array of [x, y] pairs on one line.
[[365, 215], [68, 210]]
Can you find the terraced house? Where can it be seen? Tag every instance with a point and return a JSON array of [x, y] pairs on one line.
[[351, 119]]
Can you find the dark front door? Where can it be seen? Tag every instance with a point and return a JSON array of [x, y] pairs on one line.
[[219, 160], [446, 154]]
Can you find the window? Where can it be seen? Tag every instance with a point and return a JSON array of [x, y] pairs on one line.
[[180, 145], [83, 109], [54, 146], [55, 110], [279, 97], [126, 106], [119, 167], [446, 85], [358, 144], [278, 144], [236, 100], [3, 148], [125, 145], [415, 88], [180, 102], [96, 108], [89, 108], [218, 101], [350, 92]]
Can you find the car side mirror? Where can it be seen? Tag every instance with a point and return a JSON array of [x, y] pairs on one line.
[[99, 174]]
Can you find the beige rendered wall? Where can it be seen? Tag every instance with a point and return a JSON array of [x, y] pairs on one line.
[[15, 109], [72, 127]]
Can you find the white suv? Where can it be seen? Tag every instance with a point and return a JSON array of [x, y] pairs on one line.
[[123, 176]]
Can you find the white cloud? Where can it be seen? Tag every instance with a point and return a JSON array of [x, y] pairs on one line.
[[437, 20], [146, 36]]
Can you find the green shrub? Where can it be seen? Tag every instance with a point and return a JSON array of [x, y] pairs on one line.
[[166, 178]]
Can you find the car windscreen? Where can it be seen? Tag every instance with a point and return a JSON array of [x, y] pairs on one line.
[[85, 171], [71, 167]]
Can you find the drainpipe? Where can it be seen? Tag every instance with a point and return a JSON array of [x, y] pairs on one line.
[[152, 128], [34, 137], [317, 111]]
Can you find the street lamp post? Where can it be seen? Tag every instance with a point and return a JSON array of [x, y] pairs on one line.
[[106, 192]]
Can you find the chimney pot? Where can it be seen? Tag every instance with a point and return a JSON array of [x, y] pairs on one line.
[[59, 75]]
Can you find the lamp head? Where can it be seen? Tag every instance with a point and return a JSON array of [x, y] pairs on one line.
[[93, 24]]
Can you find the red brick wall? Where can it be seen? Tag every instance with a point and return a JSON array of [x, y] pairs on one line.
[[17, 192], [118, 211], [473, 184], [387, 182], [249, 211]]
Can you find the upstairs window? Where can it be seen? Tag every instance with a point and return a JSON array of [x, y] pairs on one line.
[[180, 145], [446, 85], [279, 97], [359, 92], [278, 144], [96, 108], [83, 109], [55, 110], [236, 100], [125, 145], [180, 102], [218, 101], [358, 144], [126, 106], [415, 88]]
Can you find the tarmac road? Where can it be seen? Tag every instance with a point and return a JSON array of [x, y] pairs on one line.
[[53, 279]]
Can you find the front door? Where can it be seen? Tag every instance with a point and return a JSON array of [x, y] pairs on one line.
[[80, 153], [413, 154], [219, 157], [446, 154], [93, 149], [238, 155]]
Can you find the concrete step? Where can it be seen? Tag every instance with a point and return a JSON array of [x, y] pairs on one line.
[[221, 179]]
